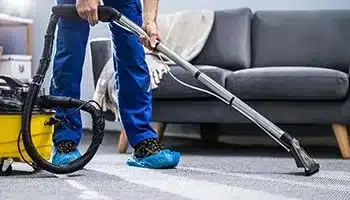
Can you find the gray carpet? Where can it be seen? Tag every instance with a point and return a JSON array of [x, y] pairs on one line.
[[206, 172]]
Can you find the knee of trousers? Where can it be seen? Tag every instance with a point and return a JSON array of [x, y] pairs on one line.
[[133, 73]]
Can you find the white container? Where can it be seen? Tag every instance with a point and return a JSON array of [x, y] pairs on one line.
[[17, 66]]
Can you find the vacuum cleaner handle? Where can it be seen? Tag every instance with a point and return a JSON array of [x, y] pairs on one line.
[[13, 82], [105, 13]]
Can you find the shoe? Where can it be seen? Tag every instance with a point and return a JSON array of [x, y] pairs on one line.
[[60, 159], [65, 153], [150, 154]]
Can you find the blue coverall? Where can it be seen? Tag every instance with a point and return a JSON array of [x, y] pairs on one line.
[[132, 73]]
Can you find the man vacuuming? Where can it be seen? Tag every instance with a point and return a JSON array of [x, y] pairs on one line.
[[132, 75]]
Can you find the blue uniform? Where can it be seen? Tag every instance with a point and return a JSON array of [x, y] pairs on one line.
[[133, 82], [133, 77]]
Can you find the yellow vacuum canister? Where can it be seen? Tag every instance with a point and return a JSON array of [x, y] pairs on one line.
[[11, 144], [41, 135]]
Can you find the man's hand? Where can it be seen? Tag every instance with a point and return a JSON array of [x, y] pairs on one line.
[[150, 12], [152, 31], [88, 9]]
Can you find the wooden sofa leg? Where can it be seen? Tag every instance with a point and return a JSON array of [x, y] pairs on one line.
[[123, 142], [160, 129], [341, 134]]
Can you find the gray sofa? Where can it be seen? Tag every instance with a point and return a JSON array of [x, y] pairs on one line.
[[290, 66]]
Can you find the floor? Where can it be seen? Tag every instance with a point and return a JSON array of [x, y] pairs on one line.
[[206, 172]]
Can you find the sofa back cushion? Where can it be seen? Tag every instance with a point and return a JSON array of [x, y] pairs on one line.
[[319, 38], [228, 44]]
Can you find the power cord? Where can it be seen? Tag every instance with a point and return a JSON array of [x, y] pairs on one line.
[[19, 149], [54, 121], [188, 85]]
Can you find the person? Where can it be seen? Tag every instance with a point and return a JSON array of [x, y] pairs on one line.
[[132, 80]]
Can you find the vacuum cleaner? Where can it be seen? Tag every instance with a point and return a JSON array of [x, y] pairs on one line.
[[27, 119], [42, 103], [287, 141]]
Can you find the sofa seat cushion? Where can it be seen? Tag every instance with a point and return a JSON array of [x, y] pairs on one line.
[[171, 89], [288, 83]]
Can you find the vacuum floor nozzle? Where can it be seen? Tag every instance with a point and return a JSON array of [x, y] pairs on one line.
[[303, 160]]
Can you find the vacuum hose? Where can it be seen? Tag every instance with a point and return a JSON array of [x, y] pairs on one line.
[[32, 99]]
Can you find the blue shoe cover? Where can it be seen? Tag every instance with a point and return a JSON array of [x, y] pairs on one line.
[[60, 159], [162, 160]]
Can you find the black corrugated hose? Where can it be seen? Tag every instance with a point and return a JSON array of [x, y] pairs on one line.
[[48, 102]]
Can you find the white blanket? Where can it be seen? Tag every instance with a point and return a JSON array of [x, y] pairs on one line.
[[184, 32]]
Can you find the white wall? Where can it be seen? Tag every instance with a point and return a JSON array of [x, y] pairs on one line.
[[167, 6]]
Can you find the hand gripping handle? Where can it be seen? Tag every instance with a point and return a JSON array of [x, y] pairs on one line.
[[105, 13]]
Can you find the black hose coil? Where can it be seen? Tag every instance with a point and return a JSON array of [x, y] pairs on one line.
[[98, 123]]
